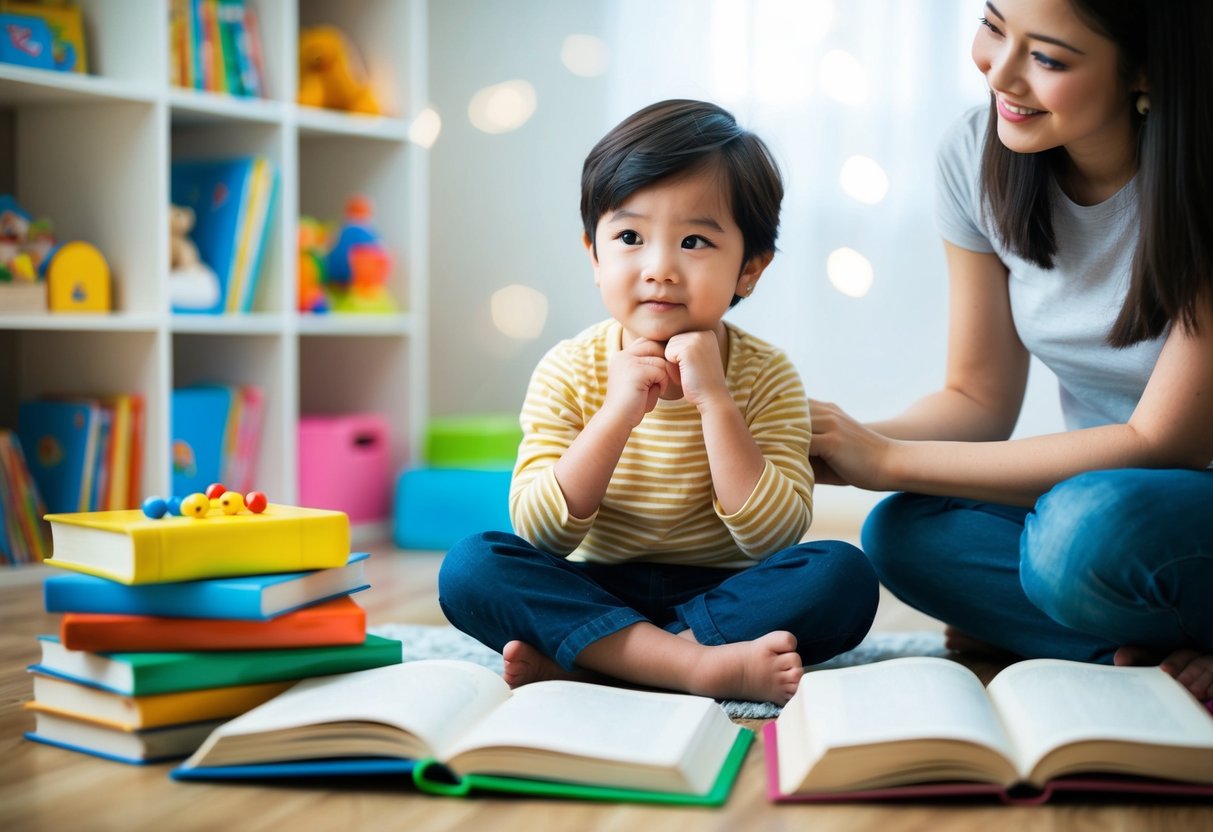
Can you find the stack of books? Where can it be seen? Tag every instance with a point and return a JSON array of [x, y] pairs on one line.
[[171, 626]]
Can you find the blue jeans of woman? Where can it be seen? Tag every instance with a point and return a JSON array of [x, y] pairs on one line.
[[1104, 559], [498, 587]]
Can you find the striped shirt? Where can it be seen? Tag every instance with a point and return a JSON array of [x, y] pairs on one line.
[[659, 505]]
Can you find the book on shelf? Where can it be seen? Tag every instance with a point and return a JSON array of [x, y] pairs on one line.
[[135, 713], [247, 597], [457, 728], [60, 439], [231, 200], [213, 44], [340, 621], [24, 535], [216, 435], [926, 727], [149, 745], [139, 674], [128, 547]]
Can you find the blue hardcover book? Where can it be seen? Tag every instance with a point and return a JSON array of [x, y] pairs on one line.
[[59, 439], [218, 192], [201, 425], [248, 598]]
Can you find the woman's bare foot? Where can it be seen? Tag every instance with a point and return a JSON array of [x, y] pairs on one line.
[[961, 642], [1192, 669], [767, 669]]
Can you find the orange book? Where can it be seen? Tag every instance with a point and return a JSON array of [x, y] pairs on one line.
[[340, 621]]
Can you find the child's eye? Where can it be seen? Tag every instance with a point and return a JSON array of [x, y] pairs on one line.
[[695, 241], [986, 22], [628, 238], [1047, 62]]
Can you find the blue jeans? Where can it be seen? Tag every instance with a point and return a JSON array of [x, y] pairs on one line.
[[1104, 559], [497, 587]]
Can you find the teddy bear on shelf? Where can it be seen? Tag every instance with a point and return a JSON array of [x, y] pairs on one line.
[[193, 284], [330, 74]]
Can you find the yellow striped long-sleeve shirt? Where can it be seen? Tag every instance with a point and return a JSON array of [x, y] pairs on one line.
[[660, 505]]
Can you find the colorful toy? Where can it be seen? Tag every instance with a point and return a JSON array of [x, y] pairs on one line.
[[358, 265], [192, 283], [313, 240], [78, 279], [331, 74], [199, 504]]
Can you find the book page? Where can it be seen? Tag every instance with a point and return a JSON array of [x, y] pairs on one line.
[[1051, 703], [929, 704], [433, 700], [593, 734]]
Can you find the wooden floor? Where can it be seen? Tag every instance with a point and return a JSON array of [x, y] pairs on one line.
[[48, 788]]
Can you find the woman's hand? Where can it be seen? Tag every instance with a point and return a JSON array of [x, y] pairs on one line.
[[843, 451]]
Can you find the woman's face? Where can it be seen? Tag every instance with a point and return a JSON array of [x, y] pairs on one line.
[[1054, 79]]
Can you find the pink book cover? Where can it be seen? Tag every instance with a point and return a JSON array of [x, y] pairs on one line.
[[1025, 797]]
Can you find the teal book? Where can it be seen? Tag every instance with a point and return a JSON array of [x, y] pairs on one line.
[[204, 421], [456, 729], [141, 674], [60, 440], [218, 191]]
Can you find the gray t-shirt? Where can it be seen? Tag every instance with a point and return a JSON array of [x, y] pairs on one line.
[[1062, 314]]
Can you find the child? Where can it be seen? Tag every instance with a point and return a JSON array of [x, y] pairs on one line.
[[663, 482]]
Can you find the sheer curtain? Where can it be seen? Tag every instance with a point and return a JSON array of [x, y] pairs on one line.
[[852, 97]]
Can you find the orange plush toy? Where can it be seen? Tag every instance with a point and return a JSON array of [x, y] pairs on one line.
[[330, 74]]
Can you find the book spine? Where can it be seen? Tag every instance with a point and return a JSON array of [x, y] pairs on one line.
[[195, 600]]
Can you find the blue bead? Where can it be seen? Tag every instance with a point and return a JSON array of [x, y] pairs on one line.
[[155, 507], [174, 506]]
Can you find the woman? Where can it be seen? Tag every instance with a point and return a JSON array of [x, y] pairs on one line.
[[1077, 215]]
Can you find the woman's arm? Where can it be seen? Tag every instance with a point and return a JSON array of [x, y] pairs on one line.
[[1172, 426]]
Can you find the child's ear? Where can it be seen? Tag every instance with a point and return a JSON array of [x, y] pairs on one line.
[[588, 242], [751, 271]]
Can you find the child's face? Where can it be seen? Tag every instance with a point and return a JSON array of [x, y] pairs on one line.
[[1055, 80], [670, 258]]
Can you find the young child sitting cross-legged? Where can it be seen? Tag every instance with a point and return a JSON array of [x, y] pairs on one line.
[[662, 484]]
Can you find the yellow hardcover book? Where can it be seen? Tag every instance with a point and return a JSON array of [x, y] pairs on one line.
[[131, 548], [135, 713], [118, 490]]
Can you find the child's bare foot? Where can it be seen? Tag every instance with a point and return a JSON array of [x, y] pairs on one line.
[[524, 664], [1192, 669], [767, 669], [961, 642]]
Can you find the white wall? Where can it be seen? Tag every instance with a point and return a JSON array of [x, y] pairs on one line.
[[505, 207]]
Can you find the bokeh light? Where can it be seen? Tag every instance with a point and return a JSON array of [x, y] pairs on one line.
[[519, 311], [863, 180], [503, 107], [842, 77], [585, 55], [850, 272], [424, 130]]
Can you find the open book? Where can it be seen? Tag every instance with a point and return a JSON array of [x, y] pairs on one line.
[[456, 726], [927, 726]]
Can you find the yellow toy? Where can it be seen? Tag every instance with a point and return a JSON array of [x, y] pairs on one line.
[[78, 279], [330, 74]]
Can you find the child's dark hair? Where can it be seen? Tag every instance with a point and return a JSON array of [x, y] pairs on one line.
[[676, 136], [1172, 269]]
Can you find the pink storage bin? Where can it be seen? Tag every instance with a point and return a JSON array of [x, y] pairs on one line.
[[344, 464]]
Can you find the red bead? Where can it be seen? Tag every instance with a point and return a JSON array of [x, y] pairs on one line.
[[255, 502], [215, 490]]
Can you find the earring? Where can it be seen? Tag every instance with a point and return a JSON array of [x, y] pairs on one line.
[[749, 289], [1143, 103]]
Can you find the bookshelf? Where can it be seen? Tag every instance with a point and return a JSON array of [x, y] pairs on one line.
[[94, 152]]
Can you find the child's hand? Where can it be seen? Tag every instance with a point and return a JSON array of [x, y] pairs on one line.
[[637, 375], [698, 367]]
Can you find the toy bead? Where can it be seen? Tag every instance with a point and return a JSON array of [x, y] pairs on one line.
[[231, 502], [155, 507], [255, 501], [195, 505], [215, 490], [174, 506]]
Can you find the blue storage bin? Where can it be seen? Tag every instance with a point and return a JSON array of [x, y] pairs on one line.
[[436, 507]]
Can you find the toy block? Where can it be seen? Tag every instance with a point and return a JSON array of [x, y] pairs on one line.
[[436, 507], [478, 441]]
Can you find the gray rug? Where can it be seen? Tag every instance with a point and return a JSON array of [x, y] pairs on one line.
[[427, 642]]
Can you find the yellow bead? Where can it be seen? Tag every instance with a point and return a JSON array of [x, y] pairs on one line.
[[195, 505], [231, 502]]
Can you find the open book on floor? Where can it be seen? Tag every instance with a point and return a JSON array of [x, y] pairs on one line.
[[926, 727], [456, 727]]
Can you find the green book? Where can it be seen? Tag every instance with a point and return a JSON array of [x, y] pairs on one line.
[[456, 729], [140, 674]]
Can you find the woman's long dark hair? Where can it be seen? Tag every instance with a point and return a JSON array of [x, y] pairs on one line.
[[1172, 273]]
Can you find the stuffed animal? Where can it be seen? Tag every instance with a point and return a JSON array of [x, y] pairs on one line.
[[192, 283], [330, 74]]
